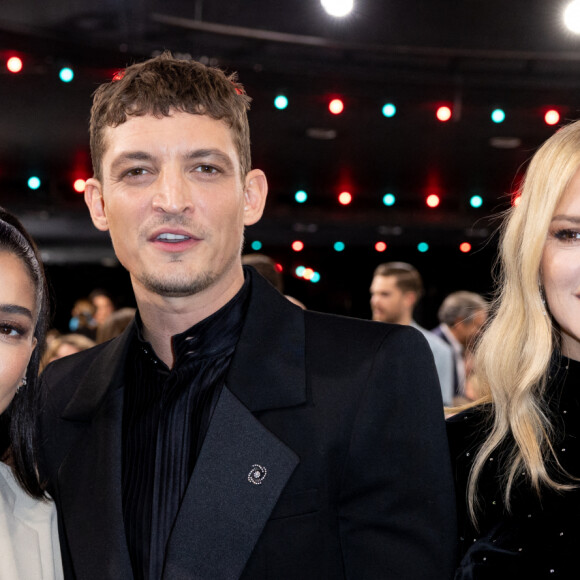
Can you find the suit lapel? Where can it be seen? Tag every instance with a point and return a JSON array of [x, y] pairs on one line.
[[239, 475], [223, 513], [90, 476], [268, 370]]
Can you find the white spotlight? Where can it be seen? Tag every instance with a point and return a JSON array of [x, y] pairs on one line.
[[572, 16], [337, 7]]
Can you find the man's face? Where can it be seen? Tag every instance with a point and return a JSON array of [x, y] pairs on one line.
[[470, 328], [103, 308], [174, 203], [388, 302]]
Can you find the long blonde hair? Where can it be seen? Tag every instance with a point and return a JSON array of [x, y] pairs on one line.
[[513, 355]]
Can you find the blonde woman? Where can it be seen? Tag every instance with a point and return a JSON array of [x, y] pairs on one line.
[[517, 450]]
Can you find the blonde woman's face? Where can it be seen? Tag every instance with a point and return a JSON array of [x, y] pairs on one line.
[[17, 319], [561, 268]]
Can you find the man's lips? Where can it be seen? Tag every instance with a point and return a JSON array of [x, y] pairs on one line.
[[174, 240], [172, 236]]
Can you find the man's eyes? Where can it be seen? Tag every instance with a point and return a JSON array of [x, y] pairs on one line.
[[136, 172], [210, 169]]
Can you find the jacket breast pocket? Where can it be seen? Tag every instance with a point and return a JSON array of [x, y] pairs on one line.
[[296, 504]]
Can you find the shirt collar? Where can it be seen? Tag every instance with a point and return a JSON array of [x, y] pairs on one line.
[[212, 336], [455, 344]]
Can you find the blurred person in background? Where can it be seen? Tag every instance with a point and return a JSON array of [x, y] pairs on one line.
[[103, 304], [266, 267], [115, 324], [395, 290], [461, 315], [82, 318], [65, 345]]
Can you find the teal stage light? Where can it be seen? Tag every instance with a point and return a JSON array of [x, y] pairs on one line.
[[66, 74], [34, 182], [280, 102], [300, 196], [389, 199], [389, 110], [476, 201], [498, 116]]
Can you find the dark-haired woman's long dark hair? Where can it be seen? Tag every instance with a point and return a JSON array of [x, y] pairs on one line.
[[20, 419]]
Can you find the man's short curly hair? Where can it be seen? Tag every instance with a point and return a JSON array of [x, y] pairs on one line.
[[163, 85]]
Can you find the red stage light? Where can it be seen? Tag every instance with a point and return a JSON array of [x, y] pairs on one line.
[[443, 114], [336, 106], [79, 185], [465, 247], [297, 246], [345, 198], [380, 246], [552, 117], [14, 64], [432, 200], [308, 273], [279, 267], [516, 199]]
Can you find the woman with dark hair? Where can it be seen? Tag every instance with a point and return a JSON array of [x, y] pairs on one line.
[[28, 529]]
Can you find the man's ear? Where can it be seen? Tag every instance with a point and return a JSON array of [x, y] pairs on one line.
[[96, 204], [255, 192], [410, 298]]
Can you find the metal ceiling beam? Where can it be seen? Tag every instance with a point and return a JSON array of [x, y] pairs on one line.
[[396, 50]]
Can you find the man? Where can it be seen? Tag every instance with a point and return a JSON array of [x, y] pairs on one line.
[[227, 433], [104, 305], [461, 314], [395, 290]]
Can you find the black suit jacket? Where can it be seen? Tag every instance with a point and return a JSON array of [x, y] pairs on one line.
[[342, 416]]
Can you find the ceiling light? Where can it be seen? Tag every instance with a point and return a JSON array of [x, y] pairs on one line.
[[337, 7], [572, 16]]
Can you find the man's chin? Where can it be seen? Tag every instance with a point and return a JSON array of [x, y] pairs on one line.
[[172, 287]]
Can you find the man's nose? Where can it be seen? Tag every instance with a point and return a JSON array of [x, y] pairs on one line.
[[173, 193]]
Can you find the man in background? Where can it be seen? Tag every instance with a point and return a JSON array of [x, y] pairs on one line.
[[395, 290], [461, 316]]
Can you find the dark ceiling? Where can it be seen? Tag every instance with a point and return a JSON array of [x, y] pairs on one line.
[[474, 55]]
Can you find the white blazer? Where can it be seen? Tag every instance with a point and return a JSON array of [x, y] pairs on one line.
[[29, 548]]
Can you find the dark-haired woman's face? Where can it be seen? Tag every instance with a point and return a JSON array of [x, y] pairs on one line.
[[17, 320]]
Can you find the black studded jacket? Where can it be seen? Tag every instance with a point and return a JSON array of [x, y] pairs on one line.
[[540, 537]]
